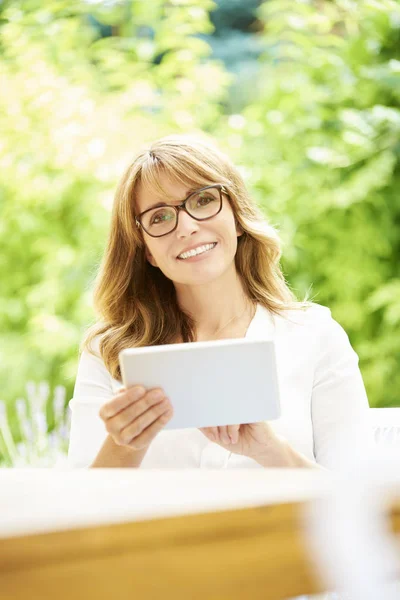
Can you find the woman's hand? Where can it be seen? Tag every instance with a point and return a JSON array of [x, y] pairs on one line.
[[257, 441], [135, 416]]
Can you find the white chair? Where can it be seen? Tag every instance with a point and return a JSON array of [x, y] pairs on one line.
[[385, 423], [350, 539]]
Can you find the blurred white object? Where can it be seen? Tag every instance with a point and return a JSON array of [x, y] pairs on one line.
[[349, 530], [385, 423], [42, 500], [39, 441]]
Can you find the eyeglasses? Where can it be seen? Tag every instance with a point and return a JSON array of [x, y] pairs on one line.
[[202, 204]]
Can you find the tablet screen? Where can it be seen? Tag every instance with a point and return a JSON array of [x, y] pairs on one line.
[[209, 384]]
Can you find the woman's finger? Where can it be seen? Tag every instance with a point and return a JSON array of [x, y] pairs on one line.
[[145, 438], [233, 432], [215, 434], [211, 433], [134, 429], [208, 432], [121, 401], [134, 411], [224, 435]]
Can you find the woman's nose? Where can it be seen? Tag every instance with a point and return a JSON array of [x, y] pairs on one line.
[[186, 224]]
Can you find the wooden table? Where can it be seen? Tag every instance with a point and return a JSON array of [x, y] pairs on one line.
[[181, 534]]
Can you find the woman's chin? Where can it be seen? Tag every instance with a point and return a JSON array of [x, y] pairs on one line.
[[200, 276]]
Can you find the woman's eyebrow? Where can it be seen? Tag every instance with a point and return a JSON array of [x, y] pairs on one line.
[[159, 204]]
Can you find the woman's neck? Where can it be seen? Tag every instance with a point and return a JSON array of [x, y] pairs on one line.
[[220, 309], [235, 327]]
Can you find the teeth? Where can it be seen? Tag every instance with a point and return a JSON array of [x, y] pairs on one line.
[[197, 251]]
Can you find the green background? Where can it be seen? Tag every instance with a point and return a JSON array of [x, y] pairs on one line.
[[304, 97]]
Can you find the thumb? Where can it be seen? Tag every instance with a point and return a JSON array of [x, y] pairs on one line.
[[208, 433]]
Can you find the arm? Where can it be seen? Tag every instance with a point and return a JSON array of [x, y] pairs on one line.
[[339, 408], [90, 445], [287, 457], [112, 455], [339, 403]]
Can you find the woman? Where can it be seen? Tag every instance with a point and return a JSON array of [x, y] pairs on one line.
[[190, 258]]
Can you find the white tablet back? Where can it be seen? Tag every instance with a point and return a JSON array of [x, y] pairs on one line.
[[224, 382]]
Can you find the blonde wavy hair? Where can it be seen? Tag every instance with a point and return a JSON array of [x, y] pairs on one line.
[[136, 302]]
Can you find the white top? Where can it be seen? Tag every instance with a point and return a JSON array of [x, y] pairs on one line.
[[323, 399]]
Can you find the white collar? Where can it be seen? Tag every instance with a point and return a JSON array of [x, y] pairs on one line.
[[262, 325]]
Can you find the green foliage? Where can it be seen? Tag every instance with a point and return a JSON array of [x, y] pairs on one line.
[[320, 146], [42, 435], [77, 108], [234, 42], [85, 84]]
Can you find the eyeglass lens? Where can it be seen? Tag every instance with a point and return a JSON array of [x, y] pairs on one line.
[[201, 205]]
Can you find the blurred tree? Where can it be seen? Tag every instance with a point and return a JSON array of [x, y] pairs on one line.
[[236, 42], [320, 146], [85, 83], [75, 107]]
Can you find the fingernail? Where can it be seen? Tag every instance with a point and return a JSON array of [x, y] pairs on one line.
[[137, 393]]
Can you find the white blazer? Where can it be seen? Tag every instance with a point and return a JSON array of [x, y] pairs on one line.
[[322, 398]]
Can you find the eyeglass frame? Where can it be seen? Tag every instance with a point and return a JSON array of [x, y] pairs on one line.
[[182, 206]]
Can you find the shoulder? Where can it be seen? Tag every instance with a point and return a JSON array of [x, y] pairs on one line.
[[293, 322], [93, 347], [315, 325], [93, 380], [315, 316], [90, 361], [90, 357]]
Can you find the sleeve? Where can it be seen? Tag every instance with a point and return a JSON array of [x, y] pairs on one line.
[[339, 403], [93, 387]]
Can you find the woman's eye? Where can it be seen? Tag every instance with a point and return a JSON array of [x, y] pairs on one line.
[[159, 218], [205, 200]]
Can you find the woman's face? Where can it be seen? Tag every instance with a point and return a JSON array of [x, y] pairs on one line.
[[163, 252]]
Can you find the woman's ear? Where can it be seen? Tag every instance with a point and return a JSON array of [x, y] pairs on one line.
[[239, 230], [150, 257]]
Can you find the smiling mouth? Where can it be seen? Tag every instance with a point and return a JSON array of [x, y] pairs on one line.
[[197, 251]]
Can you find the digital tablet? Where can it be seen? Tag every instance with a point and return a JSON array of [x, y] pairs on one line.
[[223, 382]]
